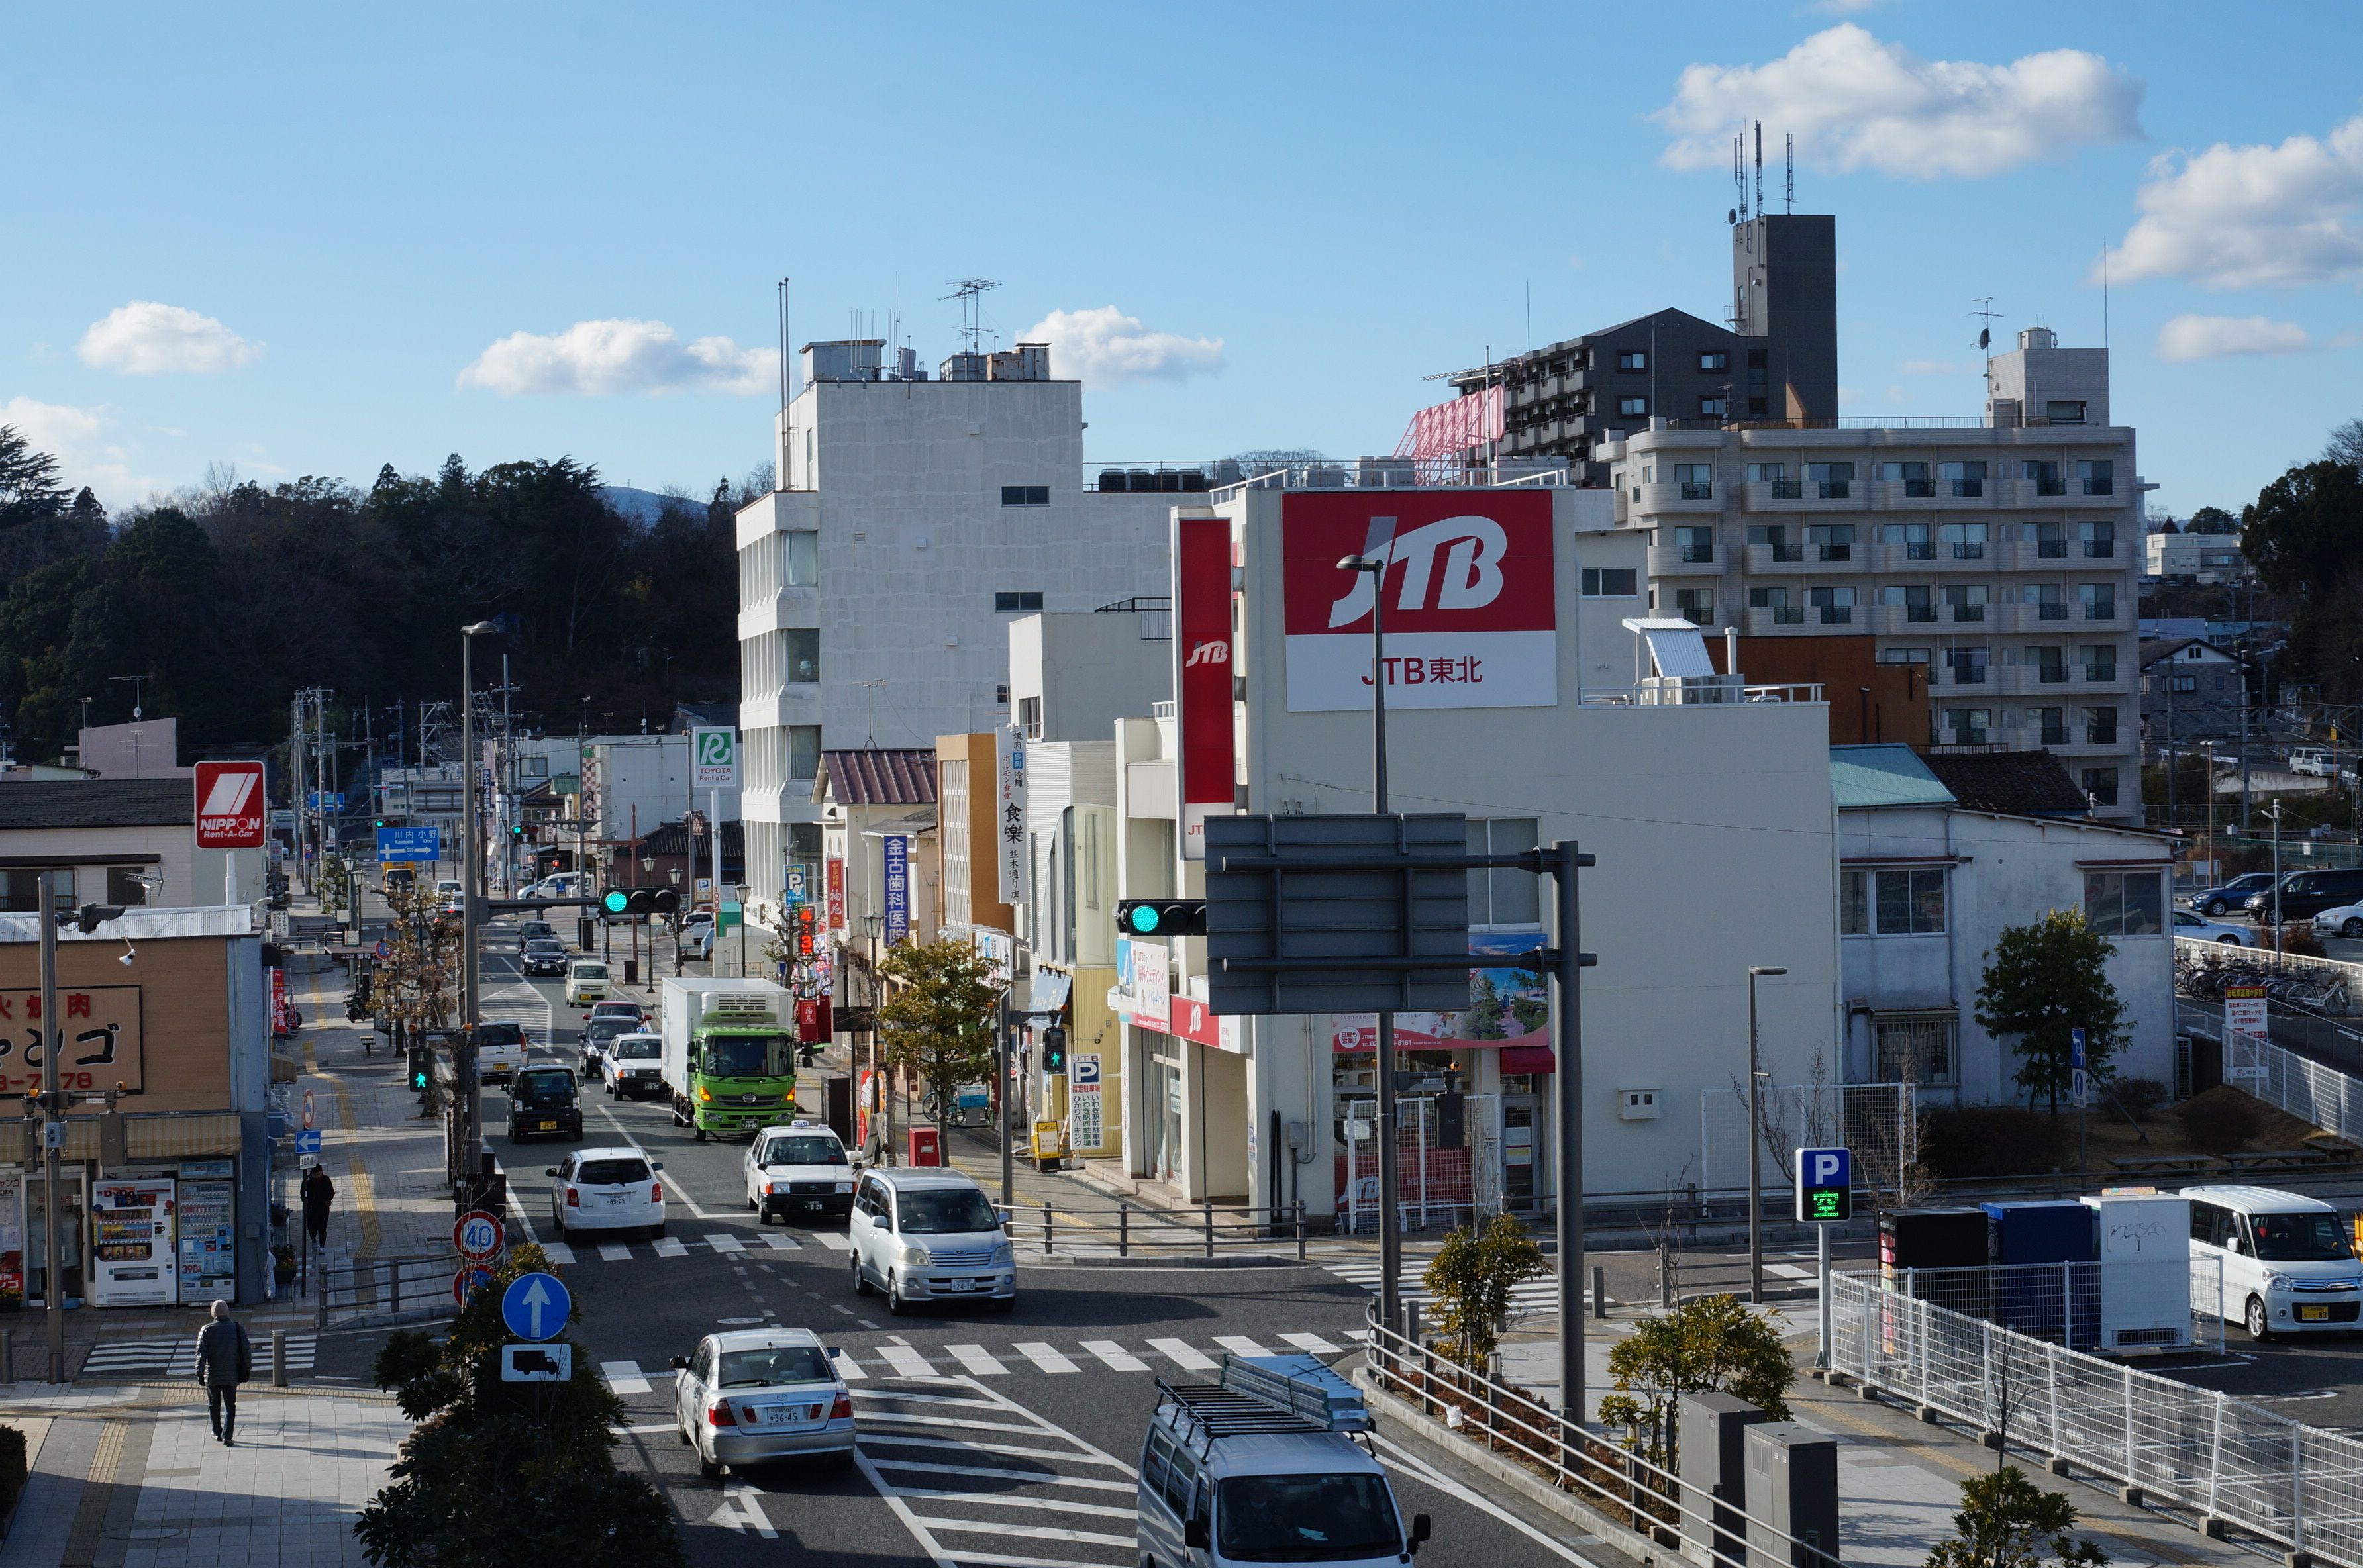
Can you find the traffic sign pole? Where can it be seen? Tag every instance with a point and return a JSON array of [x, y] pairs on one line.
[[2076, 1044]]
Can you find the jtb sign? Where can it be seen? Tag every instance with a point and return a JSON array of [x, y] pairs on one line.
[[1469, 598], [1825, 1185]]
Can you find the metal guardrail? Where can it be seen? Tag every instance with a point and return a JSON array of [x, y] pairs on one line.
[[1611, 1480], [2057, 1302], [384, 1290], [2224, 1459], [1126, 1231]]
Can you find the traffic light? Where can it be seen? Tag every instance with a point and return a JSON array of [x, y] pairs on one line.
[[1161, 917], [616, 901], [639, 902], [1054, 1051]]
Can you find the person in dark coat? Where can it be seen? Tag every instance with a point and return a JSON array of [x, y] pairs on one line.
[[319, 1192], [225, 1359]]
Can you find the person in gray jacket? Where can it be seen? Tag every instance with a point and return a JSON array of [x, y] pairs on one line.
[[225, 1359]]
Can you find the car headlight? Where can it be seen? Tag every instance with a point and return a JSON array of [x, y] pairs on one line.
[[845, 1186], [2276, 1281], [1004, 1253], [775, 1187], [916, 1257]]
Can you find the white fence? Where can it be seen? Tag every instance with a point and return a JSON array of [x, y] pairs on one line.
[[2191, 1448], [2308, 1091], [2068, 1303]]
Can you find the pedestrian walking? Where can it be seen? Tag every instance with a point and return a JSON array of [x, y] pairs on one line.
[[225, 1359], [319, 1192]]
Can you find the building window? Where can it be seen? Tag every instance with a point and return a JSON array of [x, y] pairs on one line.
[[1001, 696], [1835, 605], [1965, 665], [20, 891], [2044, 474], [1029, 717], [2101, 784], [1695, 605], [1018, 603], [1832, 541], [2219, 683], [2099, 539], [2101, 726], [1633, 408], [1904, 655], [1696, 544], [1712, 408], [802, 645], [1715, 360], [2099, 663], [1912, 599], [2064, 411], [1968, 726], [803, 841], [1764, 473], [2100, 600], [1967, 600], [2189, 683], [1832, 481], [804, 751], [1904, 900], [803, 558], [1697, 481], [2051, 724], [1611, 582], [1914, 1050], [1965, 541], [1502, 898], [124, 884], [1963, 479], [2123, 903], [1913, 477], [1025, 495], [1632, 360]]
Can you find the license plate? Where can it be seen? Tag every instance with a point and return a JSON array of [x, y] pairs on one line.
[[812, 1203], [549, 1126], [618, 1198], [775, 1415], [959, 1285], [2314, 1314]]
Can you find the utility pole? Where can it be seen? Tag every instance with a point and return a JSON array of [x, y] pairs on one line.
[[54, 1128], [1376, 549], [1756, 1143], [2274, 811], [472, 898]]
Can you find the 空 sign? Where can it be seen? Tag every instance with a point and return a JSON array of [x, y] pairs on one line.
[[1471, 612], [229, 805]]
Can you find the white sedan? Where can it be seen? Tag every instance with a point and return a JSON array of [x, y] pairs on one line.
[[2197, 930], [2346, 921]]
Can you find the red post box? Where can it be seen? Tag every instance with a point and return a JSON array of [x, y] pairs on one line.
[[925, 1147]]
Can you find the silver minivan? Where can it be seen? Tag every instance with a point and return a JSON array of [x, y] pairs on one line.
[[927, 1233]]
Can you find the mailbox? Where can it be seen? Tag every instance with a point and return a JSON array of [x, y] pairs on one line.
[[926, 1146]]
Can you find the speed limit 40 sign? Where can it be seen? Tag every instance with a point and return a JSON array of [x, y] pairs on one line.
[[478, 1235]]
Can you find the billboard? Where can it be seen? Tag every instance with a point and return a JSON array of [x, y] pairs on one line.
[[229, 805], [714, 759], [1202, 645], [895, 856], [1508, 1004], [1011, 850], [1470, 613], [103, 1046]]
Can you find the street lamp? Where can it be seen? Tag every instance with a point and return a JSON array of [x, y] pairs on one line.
[[471, 901], [1755, 1144]]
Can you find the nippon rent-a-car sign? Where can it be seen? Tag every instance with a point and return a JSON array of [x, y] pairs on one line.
[[229, 805], [1470, 608]]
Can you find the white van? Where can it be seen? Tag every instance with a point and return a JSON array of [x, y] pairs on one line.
[[1261, 1468], [586, 981], [2311, 761], [2288, 1261]]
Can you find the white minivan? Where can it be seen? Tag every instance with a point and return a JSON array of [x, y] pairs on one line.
[[927, 1233], [2287, 1260]]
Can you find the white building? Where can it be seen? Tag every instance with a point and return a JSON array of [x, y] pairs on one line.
[[129, 842], [1927, 880], [914, 520], [2203, 558], [633, 785]]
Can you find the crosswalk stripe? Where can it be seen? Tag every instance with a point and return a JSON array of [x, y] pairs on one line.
[[1178, 1352], [978, 1360], [834, 1241], [781, 1243], [614, 1252], [180, 1355], [1043, 1356], [1037, 1532], [559, 1252], [906, 1362], [1313, 1342], [1240, 1344], [624, 1376], [1116, 1355], [723, 1242], [848, 1368], [668, 1247]]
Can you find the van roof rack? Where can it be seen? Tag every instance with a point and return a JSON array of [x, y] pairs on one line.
[[1268, 1394]]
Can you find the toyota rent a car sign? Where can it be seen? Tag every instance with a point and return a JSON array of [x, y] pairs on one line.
[[1470, 613], [229, 805]]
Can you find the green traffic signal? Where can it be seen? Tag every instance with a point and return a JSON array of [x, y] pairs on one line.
[[1142, 918], [616, 901]]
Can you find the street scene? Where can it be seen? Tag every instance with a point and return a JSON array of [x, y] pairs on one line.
[[734, 828]]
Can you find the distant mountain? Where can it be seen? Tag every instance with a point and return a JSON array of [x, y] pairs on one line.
[[640, 505]]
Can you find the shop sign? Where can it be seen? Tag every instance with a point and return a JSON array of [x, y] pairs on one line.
[[102, 1039], [1086, 1124], [1508, 1006], [12, 1231], [836, 893], [1201, 645], [1193, 1021], [229, 805], [999, 951], [1009, 815], [895, 849], [1142, 993], [1472, 599]]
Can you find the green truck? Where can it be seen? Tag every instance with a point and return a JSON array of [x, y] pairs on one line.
[[729, 1055]]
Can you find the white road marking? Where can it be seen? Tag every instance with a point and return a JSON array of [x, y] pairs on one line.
[[780, 1243], [1116, 1355], [1043, 1356], [678, 1195], [559, 1252], [1403, 1460], [624, 1376], [614, 1252], [906, 1362], [1052, 1504], [723, 1242], [1240, 1344], [668, 1247], [847, 1367], [978, 1360], [947, 1444], [989, 1473], [1037, 1532], [1179, 1353], [833, 1242], [742, 1510], [1313, 1342]]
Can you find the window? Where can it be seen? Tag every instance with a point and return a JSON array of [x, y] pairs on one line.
[[1697, 481], [2051, 722], [1836, 604], [2099, 475], [1695, 605], [1714, 360], [2099, 663], [1632, 360], [2045, 475], [1001, 696], [2050, 664], [2101, 726], [1611, 582], [1914, 1050], [1712, 408], [1832, 541], [1912, 537], [804, 751], [1029, 717], [1912, 599], [2219, 683], [2045, 597], [2064, 411], [1964, 479], [2100, 600], [2099, 539], [1760, 378], [1965, 665], [123, 886], [2187, 683], [1696, 544], [1836, 480], [1025, 495], [1904, 900], [1018, 603], [802, 645], [1968, 726], [1633, 408], [1965, 541], [1904, 655], [1764, 473], [1502, 898], [2122, 904], [1774, 537], [804, 558], [1913, 477], [1967, 600], [2048, 545], [1776, 599]]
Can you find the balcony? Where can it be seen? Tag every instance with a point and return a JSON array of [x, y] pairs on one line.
[[1832, 615], [1902, 620], [1664, 496], [1966, 614], [2099, 486], [2053, 734], [1808, 495], [2048, 487], [1785, 560], [2100, 735], [1966, 739], [1684, 560], [1907, 556], [1965, 492], [2094, 614], [1774, 620], [1959, 550], [2029, 555], [2100, 550]]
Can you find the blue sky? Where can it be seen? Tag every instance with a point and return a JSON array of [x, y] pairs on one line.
[[317, 239]]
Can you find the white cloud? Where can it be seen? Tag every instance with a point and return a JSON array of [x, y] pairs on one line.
[[1855, 103], [145, 338], [2215, 336], [599, 358], [2232, 218], [76, 438], [1934, 367], [1103, 346]]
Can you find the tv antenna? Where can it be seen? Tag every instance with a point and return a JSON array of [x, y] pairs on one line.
[[1739, 176], [1759, 169], [1985, 308], [967, 290], [1792, 193]]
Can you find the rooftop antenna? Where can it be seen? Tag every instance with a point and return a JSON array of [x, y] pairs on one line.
[[1985, 308], [1739, 176], [1792, 196], [1759, 169], [2104, 292], [967, 291], [783, 344]]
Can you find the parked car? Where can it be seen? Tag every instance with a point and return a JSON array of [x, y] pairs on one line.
[[606, 1189], [2191, 925], [752, 1394], [542, 1103], [586, 981], [2312, 762], [2288, 1261], [2305, 894], [543, 956], [2344, 920], [631, 1066], [533, 931], [927, 1233], [798, 1171], [2216, 902]]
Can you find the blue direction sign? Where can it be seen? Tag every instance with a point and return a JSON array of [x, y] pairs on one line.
[[328, 801], [307, 1142], [536, 1306], [409, 843]]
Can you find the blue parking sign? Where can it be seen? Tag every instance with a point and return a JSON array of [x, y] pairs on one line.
[[1825, 1185]]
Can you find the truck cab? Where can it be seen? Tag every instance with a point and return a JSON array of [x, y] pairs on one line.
[[1262, 1466], [729, 1061]]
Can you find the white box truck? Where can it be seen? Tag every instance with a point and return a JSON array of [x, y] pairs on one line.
[[729, 1054]]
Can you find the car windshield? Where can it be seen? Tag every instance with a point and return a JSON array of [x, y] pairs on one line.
[[944, 1212], [545, 1085], [608, 1028], [533, 928], [545, 948], [500, 1034], [590, 971], [635, 1049], [612, 1173], [779, 1365], [2300, 1238], [615, 1010], [1304, 1519], [803, 1152], [747, 1056]]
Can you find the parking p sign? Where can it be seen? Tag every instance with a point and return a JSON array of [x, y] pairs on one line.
[[1825, 1185]]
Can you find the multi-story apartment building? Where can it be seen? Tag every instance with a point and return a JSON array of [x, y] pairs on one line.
[[913, 521], [1997, 560]]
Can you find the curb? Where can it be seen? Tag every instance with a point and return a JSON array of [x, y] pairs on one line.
[[1220, 1260]]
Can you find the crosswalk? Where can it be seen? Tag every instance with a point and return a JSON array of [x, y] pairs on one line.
[[724, 1242], [178, 1357], [899, 1358]]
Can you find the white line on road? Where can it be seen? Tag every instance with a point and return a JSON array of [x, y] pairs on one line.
[[624, 1376], [723, 1242], [678, 1190], [1313, 1342], [781, 1244], [1179, 1353], [614, 1252], [1043, 1356], [847, 1367], [833, 1242], [987, 1471], [978, 1360], [668, 1247], [1116, 1355], [906, 1362], [1052, 1504], [1403, 1460], [1038, 1532], [559, 1252], [1240, 1344]]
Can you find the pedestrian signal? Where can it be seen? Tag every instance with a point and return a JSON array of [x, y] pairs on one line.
[[1054, 1051]]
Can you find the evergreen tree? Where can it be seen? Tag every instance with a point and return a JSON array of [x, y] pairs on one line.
[[2042, 982]]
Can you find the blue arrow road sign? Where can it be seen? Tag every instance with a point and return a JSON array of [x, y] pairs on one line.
[[536, 1306], [401, 844], [307, 1142]]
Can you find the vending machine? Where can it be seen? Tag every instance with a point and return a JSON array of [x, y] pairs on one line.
[[205, 1230], [2144, 1270], [131, 1253]]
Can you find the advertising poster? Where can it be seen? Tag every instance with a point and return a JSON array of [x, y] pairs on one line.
[[207, 1240], [102, 1039], [2246, 1032], [132, 1255], [895, 849], [1507, 1006], [1086, 1129], [12, 1231], [1143, 992]]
